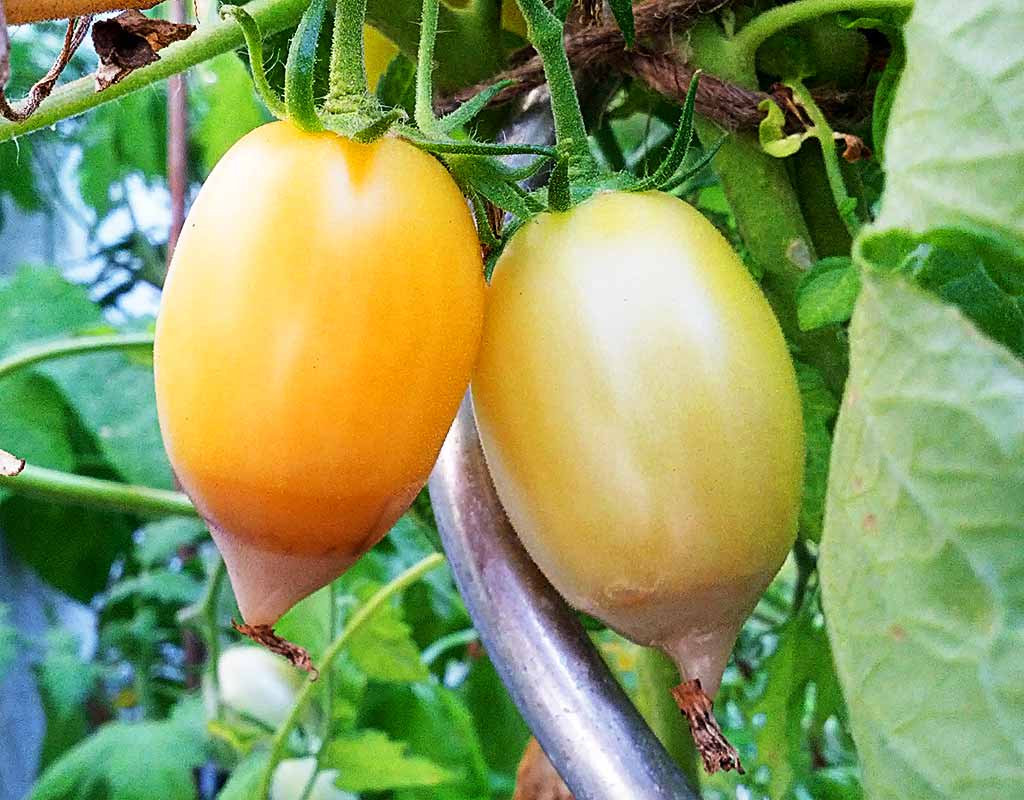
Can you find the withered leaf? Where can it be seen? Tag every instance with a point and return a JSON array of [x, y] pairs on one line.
[[854, 148], [129, 41]]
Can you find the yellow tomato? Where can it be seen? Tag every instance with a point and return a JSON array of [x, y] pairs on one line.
[[318, 327], [640, 417]]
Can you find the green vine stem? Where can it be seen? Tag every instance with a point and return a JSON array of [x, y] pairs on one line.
[[34, 354], [450, 641], [348, 68], [547, 35], [656, 675], [64, 487], [254, 44], [822, 131], [202, 615], [424, 111], [362, 614], [765, 25]]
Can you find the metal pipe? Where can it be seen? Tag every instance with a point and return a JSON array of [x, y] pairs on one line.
[[584, 721]]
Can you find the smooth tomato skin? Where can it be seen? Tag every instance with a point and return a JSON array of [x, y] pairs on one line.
[[639, 414], [318, 328]]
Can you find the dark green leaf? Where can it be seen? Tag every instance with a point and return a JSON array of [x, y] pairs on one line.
[[827, 293], [981, 272], [820, 408], [71, 548], [125, 761]]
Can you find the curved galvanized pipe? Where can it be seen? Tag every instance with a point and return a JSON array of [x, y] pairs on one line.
[[588, 727]]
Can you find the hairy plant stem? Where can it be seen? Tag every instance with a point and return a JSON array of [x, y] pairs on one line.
[[348, 66], [361, 615], [546, 33], [424, 111], [78, 490], [656, 675]]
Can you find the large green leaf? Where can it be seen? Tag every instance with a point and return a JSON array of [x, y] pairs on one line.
[[370, 761], [954, 150], [124, 761], [922, 559]]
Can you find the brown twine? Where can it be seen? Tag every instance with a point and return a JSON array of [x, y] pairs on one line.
[[594, 47]]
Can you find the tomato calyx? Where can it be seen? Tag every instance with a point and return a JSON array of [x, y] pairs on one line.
[[715, 750]]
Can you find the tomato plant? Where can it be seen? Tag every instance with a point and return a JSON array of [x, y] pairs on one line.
[[764, 319], [630, 363]]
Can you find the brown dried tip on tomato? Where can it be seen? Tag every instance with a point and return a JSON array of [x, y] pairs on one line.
[[130, 41], [537, 779], [10, 465], [715, 750], [264, 636]]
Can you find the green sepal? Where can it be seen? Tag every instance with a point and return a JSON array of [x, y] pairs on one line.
[[468, 110], [299, 97], [380, 126], [680, 143], [483, 222], [559, 187], [254, 44], [622, 10]]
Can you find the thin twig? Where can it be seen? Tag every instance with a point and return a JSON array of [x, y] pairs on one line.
[[73, 37]]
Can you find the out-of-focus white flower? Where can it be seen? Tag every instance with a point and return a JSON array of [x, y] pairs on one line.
[[292, 775]]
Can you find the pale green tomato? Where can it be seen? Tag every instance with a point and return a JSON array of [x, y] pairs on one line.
[[640, 416]]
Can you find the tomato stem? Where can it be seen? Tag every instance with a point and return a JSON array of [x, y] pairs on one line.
[[334, 649], [546, 32], [78, 490], [35, 354], [348, 60], [424, 111], [300, 71]]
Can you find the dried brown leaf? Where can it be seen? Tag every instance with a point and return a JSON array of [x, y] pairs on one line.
[[854, 148], [130, 41]]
